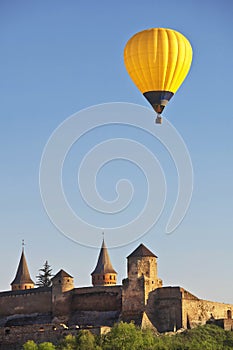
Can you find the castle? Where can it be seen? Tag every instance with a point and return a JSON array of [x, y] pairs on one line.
[[27, 312]]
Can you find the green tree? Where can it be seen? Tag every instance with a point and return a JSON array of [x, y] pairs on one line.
[[69, 343], [149, 339], [207, 337], [85, 340], [44, 277], [123, 336], [30, 345], [228, 342], [46, 346]]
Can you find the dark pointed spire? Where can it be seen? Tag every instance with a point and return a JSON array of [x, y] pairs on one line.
[[22, 279], [104, 264], [104, 274]]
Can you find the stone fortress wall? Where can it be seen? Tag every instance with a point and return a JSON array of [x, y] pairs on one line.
[[12, 338], [21, 302], [172, 308], [97, 299], [18, 304]]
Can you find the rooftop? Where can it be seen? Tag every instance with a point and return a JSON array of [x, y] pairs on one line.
[[141, 251], [22, 274], [104, 264]]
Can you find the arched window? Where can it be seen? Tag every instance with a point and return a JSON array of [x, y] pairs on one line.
[[229, 315]]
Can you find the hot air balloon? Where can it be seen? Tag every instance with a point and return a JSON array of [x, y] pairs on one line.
[[158, 60]]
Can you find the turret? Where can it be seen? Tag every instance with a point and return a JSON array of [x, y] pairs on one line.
[[104, 274], [142, 279], [62, 285], [62, 282], [143, 263], [22, 279]]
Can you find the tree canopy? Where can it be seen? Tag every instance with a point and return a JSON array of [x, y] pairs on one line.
[[45, 275], [127, 336]]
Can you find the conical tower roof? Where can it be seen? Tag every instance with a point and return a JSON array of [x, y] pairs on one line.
[[22, 274], [62, 274], [141, 251], [104, 264]]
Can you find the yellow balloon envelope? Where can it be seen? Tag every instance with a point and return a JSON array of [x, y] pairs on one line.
[[158, 61]]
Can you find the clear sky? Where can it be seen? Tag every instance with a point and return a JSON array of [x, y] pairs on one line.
[[58, 57]]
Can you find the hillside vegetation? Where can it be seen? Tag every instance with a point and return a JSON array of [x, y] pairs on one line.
[[124, 336]]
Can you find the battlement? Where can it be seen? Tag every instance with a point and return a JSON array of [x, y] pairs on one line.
[[25, 292], [27, 301]]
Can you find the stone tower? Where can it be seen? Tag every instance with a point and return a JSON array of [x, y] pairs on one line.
[[22, 279], [142, 279], [62, 283], [104, 274]]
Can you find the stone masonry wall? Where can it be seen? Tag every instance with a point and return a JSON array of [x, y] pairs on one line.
[[14, 337], [61, 304], [197, 312], [133, 297], [172, 308], [163, 309], [37, 300], [96, 299]]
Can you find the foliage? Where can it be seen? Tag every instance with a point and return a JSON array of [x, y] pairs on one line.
[[69, 343], [126, 336], [46, 346], [123, 336], [149, 339], [30, 345], [44, 277], [86, 340], [208, 337]]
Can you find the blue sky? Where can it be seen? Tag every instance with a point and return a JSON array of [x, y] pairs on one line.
[[59, 57]]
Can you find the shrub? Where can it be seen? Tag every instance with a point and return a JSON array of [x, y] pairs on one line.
[[46, 346], [85, 340], [123, 336], [30, 345]]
